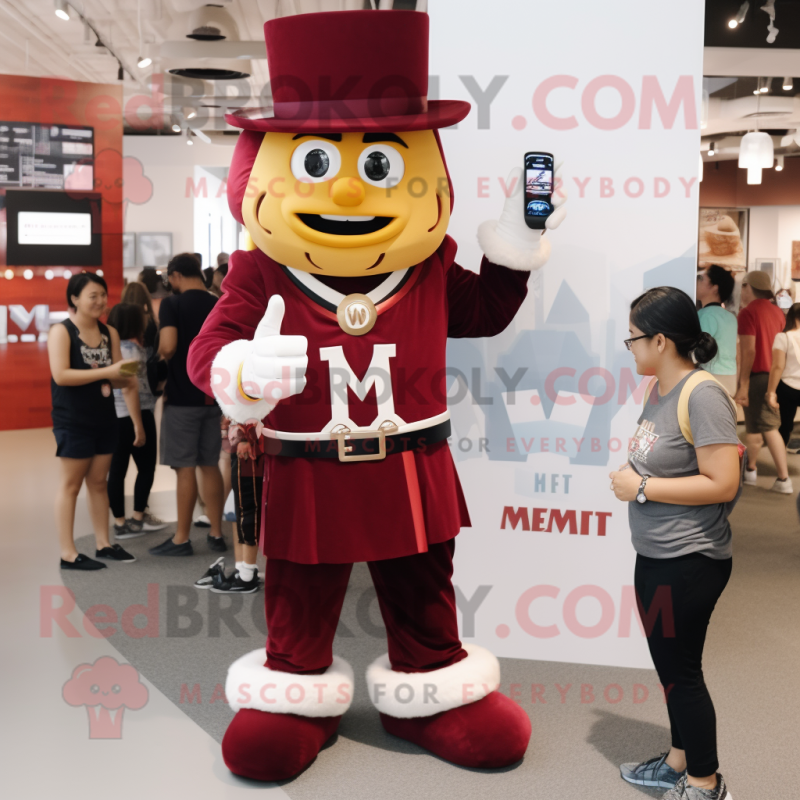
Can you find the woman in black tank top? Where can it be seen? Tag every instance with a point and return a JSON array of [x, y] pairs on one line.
[[85, 363]]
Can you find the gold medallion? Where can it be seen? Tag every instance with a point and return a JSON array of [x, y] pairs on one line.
[[357, 314]]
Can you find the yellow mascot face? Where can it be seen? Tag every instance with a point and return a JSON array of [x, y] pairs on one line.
[[348, 204]]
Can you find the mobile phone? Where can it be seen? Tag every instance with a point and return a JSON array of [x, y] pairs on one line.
[[538, 194]]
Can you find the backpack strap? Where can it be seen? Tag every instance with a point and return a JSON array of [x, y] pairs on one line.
[[683, 401]]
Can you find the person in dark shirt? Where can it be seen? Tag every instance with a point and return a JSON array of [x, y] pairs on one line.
[[190, 424], [85, 363]]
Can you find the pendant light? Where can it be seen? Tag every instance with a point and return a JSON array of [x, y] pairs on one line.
[[753, 175], [756, 150]]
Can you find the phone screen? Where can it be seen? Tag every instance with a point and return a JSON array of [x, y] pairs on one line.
[[538, 184]]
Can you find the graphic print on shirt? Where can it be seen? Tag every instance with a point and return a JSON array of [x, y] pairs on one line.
[[643, 442], [97, 357], [342, 377]]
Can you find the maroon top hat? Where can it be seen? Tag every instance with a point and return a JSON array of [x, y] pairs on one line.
[[349, 71]]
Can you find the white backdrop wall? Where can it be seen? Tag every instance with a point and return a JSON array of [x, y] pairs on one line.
[[772, 231], [632, 224], [170, 164]]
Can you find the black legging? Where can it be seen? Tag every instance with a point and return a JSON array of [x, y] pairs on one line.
[[247, 502], [788, 400], [145, 459], [695, 583]]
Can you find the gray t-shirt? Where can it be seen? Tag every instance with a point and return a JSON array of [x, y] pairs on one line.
[[666, 530]]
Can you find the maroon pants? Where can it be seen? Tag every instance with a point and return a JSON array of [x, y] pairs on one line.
[[417, 602]]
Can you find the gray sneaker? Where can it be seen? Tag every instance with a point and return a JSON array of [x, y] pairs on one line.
[[655, 772], [682, 791], [130, 529]]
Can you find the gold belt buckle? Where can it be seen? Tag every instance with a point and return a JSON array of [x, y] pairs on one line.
[[379, 434]]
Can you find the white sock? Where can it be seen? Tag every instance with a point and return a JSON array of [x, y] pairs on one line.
[[238, 566], [246, 571]]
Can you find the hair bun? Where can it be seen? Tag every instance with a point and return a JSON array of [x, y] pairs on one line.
[[705, 348]]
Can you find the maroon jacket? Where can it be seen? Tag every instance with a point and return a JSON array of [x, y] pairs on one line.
[[324, 511]]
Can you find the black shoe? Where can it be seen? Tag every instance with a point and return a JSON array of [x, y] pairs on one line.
[[169, 548], [213, 575], [235, 585], [115, 553], [82, 562], [129, 529], [216, 543]]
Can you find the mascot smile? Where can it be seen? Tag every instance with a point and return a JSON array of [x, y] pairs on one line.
[[331, 334]]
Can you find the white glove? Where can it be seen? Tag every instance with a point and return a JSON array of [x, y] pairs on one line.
[[273, 367], [508, 241]]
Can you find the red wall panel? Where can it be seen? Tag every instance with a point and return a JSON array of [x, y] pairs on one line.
[[24, 369]]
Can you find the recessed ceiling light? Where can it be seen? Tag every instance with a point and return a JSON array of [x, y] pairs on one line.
[[176, 127], [788, 84], [144, 62]]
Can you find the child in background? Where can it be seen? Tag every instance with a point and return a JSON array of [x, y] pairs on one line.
[[247, 470]]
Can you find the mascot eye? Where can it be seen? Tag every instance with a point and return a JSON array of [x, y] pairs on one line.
[[381, 165], [116, 688], [315, 161], [94, 688]]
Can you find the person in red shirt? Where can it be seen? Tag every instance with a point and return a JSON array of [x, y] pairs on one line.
[[759, 321]]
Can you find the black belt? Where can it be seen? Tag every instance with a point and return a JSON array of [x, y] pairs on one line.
[[366, 445]]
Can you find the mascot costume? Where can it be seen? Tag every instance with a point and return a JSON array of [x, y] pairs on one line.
[[331, 336]]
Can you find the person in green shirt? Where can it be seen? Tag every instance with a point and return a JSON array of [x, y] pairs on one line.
[[714, 287]]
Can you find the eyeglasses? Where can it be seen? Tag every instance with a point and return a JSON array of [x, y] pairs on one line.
[[629, 342]]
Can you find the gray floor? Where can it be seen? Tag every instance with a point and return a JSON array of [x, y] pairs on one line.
[[751, 668]]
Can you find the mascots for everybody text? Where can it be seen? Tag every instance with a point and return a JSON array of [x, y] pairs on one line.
[[332, 331]]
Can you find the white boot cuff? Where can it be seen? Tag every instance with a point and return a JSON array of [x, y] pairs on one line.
[[252, 685]]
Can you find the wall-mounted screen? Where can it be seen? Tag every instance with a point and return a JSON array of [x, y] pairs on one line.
[[48, 228], [46, 156]]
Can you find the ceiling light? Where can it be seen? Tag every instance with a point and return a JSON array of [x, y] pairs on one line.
[[28, 274], [764, 88], [62, 10], [753, 175], [779, 164], [788, 84], [99, 273], [9, 274], [49, 274], [144, 62], [67, 274], [732, 23], [191, 115], [756, 150], [176, 127], [711, 149], [189, 138]]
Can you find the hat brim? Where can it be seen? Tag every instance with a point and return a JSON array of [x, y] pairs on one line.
[[439, 114]]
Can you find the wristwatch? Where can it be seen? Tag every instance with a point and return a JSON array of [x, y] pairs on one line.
[[640, 495]]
